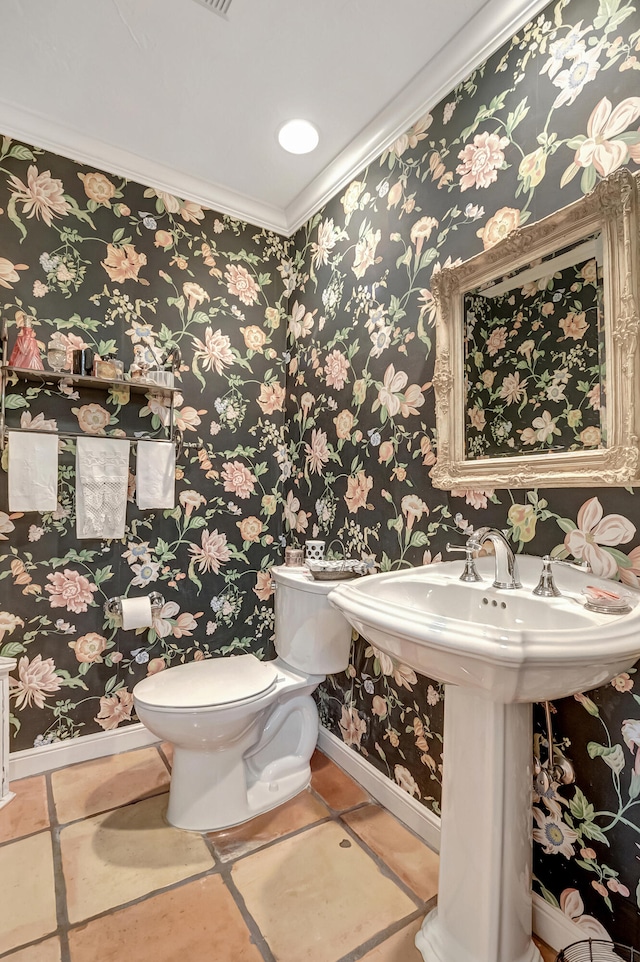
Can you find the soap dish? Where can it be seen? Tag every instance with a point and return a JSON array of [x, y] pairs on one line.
[[605, 602]]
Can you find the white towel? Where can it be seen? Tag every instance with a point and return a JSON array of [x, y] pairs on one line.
[[156, 474], [33, 471], [102, 467]]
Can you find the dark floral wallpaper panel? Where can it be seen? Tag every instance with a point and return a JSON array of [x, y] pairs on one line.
[[95, 261], [528, 132]]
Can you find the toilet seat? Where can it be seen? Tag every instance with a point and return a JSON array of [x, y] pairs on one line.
[[213, 683]]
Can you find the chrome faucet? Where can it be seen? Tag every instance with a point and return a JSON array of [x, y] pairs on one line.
[[506, 567]]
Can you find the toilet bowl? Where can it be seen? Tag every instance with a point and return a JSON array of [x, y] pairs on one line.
[[243, 730]]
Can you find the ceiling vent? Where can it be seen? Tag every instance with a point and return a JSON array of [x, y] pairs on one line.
[[221, 7]]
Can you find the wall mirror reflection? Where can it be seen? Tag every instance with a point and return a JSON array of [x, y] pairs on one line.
[[537, 351], [534, 359]]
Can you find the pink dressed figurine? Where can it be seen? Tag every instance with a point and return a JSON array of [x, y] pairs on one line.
[[26, 353]]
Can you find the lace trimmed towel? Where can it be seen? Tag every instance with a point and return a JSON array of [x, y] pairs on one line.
[[156, 474], [33, 471], [102, 469]]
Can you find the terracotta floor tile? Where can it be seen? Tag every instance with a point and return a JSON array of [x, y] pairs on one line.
[[104, 783], [410, 859], [303, 810], [338, 790], [28, 903], [399, 948], [167, 748], [123, 855], [48, 951], [197, 922], [28, 812], [318, 895]]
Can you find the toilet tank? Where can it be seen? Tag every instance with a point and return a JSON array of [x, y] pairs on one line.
[[310, 635]]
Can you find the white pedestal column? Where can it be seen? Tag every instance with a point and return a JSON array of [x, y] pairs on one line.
[[6, 665], [484, 892]]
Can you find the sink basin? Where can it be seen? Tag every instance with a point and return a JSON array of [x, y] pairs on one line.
[[497, 650], [511, 643]]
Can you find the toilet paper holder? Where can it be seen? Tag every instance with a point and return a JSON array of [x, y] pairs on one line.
[[113, 606]]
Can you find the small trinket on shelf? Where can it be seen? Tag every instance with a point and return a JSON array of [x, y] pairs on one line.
[[162, 378], [26, 353], [162, 372], [57, 353], [82, 361], [108, 367], [140, 366]]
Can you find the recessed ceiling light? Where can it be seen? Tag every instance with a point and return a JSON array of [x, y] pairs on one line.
[[298, 136]]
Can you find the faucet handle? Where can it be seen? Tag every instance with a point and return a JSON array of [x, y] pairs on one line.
[[576, 564], [546, 587], [470, 572]]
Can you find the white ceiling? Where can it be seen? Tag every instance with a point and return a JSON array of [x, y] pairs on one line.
[[171, 94]]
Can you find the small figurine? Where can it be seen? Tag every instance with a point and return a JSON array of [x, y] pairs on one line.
[[140, 366], [26, 353]]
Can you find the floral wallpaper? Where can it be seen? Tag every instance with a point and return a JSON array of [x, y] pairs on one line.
[[529, 131], [519, 372], [110, 265], [307, 408]]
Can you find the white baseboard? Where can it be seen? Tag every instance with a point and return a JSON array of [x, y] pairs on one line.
[[553, 926], [414, 815], [34, 761], [549, 923]]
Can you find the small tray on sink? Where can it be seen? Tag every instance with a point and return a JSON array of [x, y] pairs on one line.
[[341, 570]]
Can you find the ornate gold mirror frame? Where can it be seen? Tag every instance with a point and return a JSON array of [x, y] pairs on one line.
[[609, 211]]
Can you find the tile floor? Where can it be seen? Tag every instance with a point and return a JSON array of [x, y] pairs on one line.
[[92, 873]]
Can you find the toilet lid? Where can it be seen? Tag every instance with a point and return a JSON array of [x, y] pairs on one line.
[[200, 684]]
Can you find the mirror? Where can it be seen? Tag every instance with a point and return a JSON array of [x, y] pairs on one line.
[[534, 358], [536, 373]]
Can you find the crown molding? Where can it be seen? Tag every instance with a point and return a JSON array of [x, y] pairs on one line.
[[493, 25], [40, 131]]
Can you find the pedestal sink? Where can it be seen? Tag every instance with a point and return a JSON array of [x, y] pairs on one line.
[[497, 651]]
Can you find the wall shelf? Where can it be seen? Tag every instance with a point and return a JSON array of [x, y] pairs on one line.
[[84, 381]]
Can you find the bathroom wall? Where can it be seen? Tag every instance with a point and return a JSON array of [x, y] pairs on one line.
[[527, 133], [110, 265]]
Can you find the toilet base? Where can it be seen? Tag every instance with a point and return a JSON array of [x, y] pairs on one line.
[[262, 797], [267, 765]]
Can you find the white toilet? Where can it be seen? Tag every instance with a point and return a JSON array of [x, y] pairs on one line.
[[244, 730]]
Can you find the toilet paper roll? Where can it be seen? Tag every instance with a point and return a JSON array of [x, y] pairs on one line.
[[136, 613]]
